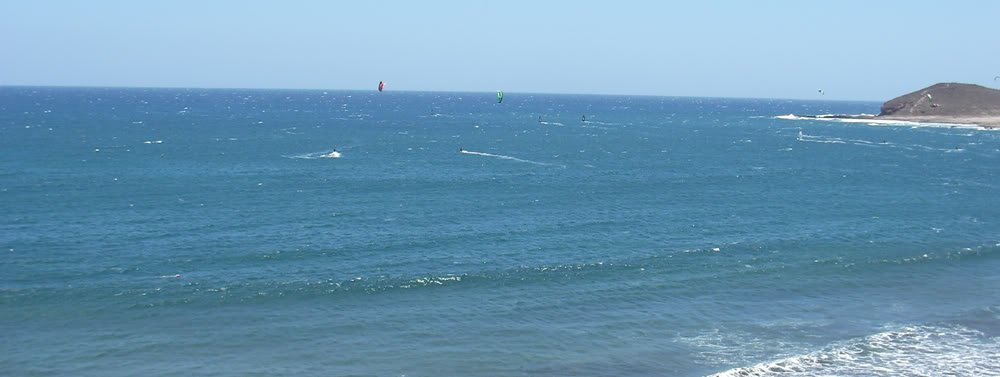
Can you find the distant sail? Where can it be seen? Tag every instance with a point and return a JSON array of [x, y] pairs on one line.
[[381, 85], [499, 96], [821, 91]]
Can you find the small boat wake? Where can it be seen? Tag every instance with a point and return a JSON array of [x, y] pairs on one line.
[[868, 143], [596, 124], [330, 153], [819, 139], [547, 123], [503, 157]]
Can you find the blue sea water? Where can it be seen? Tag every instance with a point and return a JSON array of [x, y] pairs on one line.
[[164, 232]]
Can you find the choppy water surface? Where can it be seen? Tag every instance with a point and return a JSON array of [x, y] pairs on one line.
[[214, 232]]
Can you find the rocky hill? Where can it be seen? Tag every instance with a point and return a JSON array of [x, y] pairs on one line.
[[947, 102]]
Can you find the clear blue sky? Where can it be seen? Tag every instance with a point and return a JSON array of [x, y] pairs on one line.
[[865, 50]]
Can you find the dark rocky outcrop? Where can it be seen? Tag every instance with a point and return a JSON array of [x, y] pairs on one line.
[[947, 103]]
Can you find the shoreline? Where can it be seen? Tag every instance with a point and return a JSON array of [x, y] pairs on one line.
[[986, 123]]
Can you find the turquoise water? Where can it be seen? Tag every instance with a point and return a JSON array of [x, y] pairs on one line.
[[203, 232]]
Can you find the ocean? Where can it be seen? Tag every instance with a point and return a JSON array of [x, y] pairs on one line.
[[213, 232]]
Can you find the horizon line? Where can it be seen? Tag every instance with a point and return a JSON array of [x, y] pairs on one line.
[[423, 91]]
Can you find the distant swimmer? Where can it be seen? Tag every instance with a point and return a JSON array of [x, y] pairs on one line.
[[461, 150], [583, 118]]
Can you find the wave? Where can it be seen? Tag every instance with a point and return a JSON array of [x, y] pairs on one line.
[[505, 157], [914, 350], [243, 282], [864, 118], [190, 289], [791, 117]]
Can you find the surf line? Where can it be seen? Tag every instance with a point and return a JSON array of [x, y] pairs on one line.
[[503, 157]]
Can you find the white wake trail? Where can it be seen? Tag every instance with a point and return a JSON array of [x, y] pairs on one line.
[[504, 157]]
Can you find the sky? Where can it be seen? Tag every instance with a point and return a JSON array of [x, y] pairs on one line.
[[852, 50]]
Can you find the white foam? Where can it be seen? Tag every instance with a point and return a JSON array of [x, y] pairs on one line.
[[868, 119], [909, 351], [433, 280]]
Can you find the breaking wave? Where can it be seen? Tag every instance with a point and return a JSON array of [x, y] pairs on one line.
[[908, 351]]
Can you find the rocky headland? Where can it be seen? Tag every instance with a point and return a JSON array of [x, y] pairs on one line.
[[946, 103]]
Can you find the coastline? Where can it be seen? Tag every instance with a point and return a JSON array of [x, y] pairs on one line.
[[949, 102], [986, 123]]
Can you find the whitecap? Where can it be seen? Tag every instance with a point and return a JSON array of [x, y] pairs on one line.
[[868, 119], [908, 351]]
